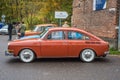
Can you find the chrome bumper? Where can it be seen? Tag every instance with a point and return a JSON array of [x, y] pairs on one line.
[[106, 53], [7, 53]]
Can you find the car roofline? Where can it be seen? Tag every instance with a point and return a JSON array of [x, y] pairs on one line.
[[76, 29]]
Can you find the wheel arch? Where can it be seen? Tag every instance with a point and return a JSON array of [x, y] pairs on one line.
[[87, 48], [29, 49]]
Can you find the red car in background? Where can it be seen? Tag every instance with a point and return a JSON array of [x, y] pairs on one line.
[[38, 29], [59, 43]]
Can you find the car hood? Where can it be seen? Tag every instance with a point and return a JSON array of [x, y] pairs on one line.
[[3, 29], [30, 37], [24, 42]]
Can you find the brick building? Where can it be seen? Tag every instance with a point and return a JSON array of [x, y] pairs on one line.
[[101, 23]]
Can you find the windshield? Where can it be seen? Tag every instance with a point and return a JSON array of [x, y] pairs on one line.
[[38, 28], [35, 28], [43, 33], [41, 28]]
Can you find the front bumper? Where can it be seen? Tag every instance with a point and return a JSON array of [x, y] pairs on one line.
[[7, 53], [4, 33]]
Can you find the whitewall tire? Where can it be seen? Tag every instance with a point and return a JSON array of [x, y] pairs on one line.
[[87, 55], [27, 55]]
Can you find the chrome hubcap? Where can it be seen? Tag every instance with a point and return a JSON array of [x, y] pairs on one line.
[[87, 55], [26, 55]]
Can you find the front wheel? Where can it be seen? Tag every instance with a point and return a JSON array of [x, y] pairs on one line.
[[87, 55], [27, 55]]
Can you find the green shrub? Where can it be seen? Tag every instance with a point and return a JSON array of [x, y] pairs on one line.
[[114, 51]]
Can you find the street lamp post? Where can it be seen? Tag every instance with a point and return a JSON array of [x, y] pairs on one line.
[[119, 32]]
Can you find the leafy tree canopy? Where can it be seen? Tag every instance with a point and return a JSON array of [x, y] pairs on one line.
[[34, 11]]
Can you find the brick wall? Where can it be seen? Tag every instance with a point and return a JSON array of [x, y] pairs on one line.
[[100, 23]]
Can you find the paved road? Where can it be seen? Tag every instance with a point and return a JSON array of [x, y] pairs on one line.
[[57, 69]]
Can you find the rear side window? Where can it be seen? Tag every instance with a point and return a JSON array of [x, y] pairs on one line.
[[72, 35]]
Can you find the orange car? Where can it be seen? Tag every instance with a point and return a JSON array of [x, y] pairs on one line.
[[58, 43], [38, 29]]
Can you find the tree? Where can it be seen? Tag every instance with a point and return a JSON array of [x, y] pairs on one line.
[[34, 11]]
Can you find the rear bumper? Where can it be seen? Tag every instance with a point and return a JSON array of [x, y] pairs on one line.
[[106, 53]]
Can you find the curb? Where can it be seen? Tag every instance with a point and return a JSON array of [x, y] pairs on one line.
[[114, 55]]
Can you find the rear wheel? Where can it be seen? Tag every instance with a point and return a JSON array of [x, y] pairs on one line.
[[87, 55], [27, 55]]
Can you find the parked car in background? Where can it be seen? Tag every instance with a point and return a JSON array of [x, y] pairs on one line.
[[4, 30], [38, 29], [1, 25], [59, 43], [36, 36]]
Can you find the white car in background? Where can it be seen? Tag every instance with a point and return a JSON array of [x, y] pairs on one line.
[[4, 30]]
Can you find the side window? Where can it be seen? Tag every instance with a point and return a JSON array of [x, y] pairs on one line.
[[56, 35], [72, 35]]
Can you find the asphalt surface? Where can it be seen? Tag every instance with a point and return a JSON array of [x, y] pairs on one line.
[[57, 69]]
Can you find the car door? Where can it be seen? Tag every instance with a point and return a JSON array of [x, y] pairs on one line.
[[76, 43], [55, 45]]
